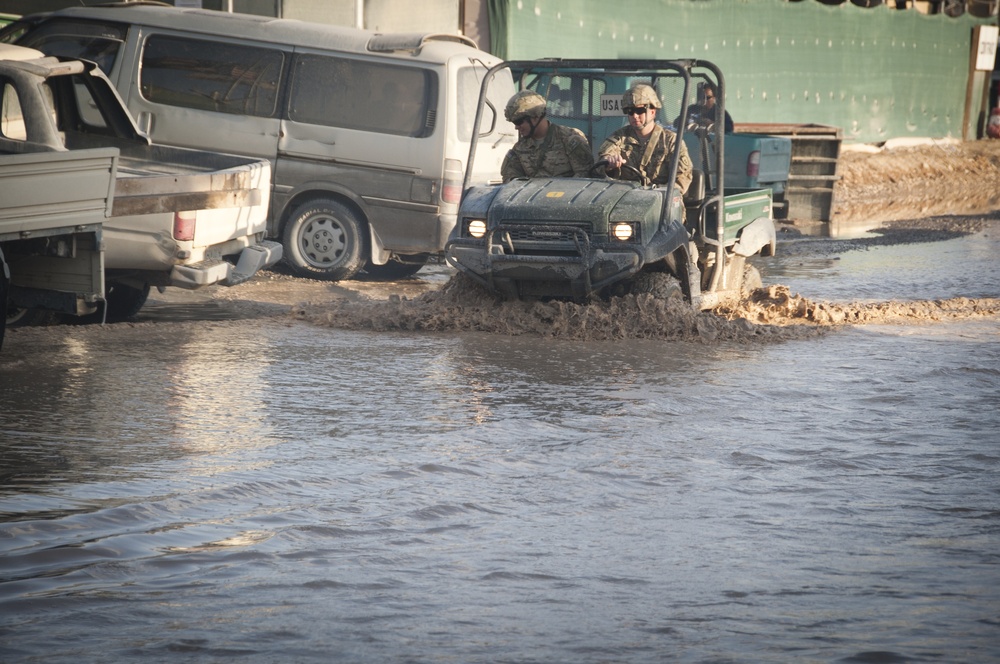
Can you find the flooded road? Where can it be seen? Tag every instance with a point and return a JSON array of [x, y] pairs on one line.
[[280, 489]]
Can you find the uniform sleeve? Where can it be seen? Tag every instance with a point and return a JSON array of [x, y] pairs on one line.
[[581, 159], [684, 168], [511, 167], [612, 145]]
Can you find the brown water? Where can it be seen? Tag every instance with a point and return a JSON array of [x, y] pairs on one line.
[[306, 488]]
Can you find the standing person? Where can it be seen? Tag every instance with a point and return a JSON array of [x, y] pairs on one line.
[[703, 113], [643, 144], [544, 149]]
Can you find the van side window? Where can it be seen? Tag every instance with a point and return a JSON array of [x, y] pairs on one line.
[[357, 94], [211, 76]]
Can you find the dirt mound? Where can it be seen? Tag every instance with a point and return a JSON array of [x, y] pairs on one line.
[[775, 305], [918, 181], [770, 314]]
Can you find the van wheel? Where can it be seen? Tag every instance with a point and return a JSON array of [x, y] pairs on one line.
[[407, 266], [324, 239]]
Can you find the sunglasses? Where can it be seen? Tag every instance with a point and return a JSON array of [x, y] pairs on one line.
[[520, 121], [634, 110]]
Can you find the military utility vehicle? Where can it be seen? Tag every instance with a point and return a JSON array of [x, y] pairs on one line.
[[584, 237]]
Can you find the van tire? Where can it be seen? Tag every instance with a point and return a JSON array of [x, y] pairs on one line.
[[394, 270], [324, 239]]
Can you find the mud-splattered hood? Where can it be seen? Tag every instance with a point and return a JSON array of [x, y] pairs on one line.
[[569, 200]]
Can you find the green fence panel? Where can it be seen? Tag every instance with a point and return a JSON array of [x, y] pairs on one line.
[[877, 73]]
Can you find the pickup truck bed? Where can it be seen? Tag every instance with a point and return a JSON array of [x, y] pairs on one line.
[[179, 217], [52, 207]]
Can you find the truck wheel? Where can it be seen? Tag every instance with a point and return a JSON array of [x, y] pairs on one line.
[[324, 239], [122, 303], [20, 317], [3, 301], [660, 285], [393, 270]]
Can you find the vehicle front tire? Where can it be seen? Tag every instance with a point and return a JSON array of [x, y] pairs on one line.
[[660, 285], [325, 239]]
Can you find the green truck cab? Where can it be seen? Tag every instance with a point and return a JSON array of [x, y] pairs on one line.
[[583, 237]]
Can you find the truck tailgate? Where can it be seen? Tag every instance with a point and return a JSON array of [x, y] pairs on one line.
[[157, 178]]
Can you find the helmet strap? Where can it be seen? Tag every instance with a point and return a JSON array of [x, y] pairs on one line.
[[534, 125]]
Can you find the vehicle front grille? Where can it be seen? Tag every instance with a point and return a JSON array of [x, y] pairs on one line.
[[531, 239]]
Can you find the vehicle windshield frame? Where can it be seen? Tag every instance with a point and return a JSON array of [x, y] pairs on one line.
[[527, 73]]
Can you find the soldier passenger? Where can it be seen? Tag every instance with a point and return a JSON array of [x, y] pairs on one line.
[[544, 149]]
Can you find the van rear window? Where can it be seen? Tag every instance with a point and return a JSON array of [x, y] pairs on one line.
[[211, 76], [358, 94]]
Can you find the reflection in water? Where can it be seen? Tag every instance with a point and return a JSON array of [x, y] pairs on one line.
[[959, 267], [276, 491]]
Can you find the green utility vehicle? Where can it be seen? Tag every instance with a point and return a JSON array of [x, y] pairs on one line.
[[594, 236]]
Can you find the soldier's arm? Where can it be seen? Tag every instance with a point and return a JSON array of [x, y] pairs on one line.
[[580, 157], [511, 167], [684, 169]]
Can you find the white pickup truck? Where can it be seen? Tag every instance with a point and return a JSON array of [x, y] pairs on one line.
[[178, 217]]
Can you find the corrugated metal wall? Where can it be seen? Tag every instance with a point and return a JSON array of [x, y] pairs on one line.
[[876, 73]]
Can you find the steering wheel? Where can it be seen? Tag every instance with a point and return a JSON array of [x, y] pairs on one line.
[[603, 163]]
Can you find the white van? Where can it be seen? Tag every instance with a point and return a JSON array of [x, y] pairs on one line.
[[368, 134]]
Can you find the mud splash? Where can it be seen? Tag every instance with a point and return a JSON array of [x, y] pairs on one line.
[[771, 314]]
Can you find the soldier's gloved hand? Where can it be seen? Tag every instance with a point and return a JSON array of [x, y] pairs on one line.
[[614, 160]]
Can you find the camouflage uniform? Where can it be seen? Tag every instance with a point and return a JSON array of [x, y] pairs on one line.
[[649, 157], [564, 152]]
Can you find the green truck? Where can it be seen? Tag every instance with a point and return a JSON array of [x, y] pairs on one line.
[[585, 237]]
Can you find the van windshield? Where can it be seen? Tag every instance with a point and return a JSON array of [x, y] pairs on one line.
[[81, 40], [470, 80]]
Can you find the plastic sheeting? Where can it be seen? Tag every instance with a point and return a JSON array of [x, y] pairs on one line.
[[875, 73]]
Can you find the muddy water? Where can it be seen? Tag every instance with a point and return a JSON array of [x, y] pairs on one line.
[[294, 488]]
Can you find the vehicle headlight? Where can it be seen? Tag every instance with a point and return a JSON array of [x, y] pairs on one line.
[[622, 231], [476, 228]]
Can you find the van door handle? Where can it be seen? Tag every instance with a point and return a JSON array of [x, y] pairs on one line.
[[145, 122]]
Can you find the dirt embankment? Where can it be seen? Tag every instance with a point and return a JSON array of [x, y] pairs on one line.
[[944, 178]]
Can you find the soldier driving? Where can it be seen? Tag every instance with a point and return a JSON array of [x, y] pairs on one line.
[[643, 146]]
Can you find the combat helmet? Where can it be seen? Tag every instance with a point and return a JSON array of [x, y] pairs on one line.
[[525, 102], [641, 94]]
